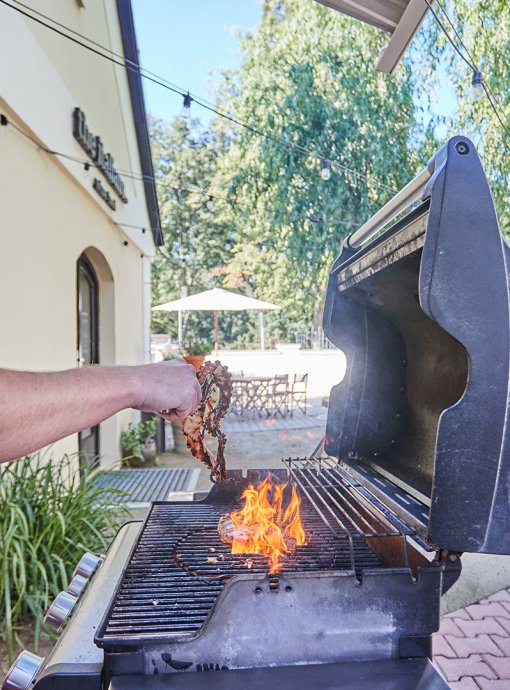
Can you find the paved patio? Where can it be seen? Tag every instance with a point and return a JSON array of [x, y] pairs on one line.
[[472, 647]]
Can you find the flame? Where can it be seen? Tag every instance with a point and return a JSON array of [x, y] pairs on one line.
[[263, 526]]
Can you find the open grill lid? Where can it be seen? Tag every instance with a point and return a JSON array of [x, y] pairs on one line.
[[422, 315]]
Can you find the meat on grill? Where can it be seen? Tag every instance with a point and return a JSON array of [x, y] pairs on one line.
[[228, 532], [216, 385]]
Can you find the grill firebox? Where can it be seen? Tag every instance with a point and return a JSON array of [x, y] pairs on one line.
[[182, 587]]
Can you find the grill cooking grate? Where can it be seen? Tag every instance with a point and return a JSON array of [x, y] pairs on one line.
[[169, 586]]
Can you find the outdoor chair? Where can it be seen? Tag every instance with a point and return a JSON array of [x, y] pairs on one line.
[[278, 402], [297, 394]]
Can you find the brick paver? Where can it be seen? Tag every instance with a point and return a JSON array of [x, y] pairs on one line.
[[491, 626], [455, 669], [480, 644], [464, 684], [472, 647]]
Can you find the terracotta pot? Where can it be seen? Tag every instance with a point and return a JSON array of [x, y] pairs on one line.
[[195, 360]]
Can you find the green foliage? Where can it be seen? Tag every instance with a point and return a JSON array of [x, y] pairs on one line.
[[484, 27], [308, 77], [133, 438], [274, 226], [48, 518], [197, 346]]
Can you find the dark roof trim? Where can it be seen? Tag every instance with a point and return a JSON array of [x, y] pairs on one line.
[[127, 30]]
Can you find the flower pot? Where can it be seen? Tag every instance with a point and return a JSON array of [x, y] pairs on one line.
[[130, 460], [150, 451], [195, 360]]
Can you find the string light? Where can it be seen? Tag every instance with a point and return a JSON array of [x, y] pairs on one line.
[[326, 169], [276, 212], [186, 106], [160, 81], [477, 84]]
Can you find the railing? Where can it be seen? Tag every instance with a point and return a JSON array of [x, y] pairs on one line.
[[315, 339]]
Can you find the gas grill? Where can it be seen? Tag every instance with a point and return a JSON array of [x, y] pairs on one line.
[[413, 471]]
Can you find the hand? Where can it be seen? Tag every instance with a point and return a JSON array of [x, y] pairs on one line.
[[169, 386]]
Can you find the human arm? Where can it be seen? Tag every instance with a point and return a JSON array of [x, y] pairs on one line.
[[38, 408]]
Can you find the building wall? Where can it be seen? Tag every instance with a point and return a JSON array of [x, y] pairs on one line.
[[49, 212]]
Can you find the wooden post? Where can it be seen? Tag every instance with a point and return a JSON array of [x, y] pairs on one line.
[[216, 333], [262, 338], [179, 326]]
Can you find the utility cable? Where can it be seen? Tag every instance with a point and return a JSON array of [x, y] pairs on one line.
[[470, 62], [274, 211], [201, 102]]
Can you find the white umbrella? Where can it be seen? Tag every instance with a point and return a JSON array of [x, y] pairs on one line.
[[216, 300]]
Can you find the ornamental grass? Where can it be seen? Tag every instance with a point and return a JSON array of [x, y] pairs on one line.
[[49, 517]]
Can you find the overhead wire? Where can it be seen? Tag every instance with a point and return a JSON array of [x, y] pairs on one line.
[[199, 191], [122, 62], [469, 60]]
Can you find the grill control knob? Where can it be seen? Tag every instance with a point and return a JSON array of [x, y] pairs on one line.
[[77, 585], [22, 672], [59, 611], [87, 565]]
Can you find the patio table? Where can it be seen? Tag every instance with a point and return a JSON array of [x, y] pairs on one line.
[[250, 394]]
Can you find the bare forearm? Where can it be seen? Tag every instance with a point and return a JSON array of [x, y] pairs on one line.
[[39, 408]]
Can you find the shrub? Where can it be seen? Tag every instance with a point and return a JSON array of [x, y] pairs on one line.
[[133, 438], [48, 518]]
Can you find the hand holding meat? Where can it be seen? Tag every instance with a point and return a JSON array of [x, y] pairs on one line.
[[169, 388], [216, 386]]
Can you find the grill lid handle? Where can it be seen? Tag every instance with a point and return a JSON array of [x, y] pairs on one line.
[[398, 203]]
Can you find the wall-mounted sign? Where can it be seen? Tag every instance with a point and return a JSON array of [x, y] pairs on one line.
[[104, 193], [93, 147]]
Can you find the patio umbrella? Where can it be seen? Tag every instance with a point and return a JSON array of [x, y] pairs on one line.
[[216, 300]]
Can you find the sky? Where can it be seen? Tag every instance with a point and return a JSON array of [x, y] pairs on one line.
[[184, 41], [187, 42]]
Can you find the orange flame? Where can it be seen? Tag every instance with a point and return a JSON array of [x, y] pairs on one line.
[[263, 526]]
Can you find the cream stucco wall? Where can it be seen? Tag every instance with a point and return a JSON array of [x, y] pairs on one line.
[[49, 213]]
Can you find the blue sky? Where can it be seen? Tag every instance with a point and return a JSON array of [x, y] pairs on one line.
[[185, 41]]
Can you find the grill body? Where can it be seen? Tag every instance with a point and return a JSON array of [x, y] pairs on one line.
[[318, 609], [415, 469]]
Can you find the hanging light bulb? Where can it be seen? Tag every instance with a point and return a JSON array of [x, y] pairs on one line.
[[210, 203], [326, 169], [186, 106], [3, 122], [477, 84]]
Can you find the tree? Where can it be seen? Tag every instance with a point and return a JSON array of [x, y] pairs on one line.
[[197, 236], [308, 78], [484, 29]]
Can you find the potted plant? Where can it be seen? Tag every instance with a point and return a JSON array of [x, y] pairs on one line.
[[194, 351], [139, 444]]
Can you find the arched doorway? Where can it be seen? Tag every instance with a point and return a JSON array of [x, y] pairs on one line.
[[88, 348]]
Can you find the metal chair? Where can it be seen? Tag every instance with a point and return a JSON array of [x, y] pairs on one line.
[[278, 402], [297, 394]]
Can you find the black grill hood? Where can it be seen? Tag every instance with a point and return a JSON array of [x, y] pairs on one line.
[[422, 315]]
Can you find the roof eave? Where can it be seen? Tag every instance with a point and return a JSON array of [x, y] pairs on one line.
[[127, 29], [402, 36]]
